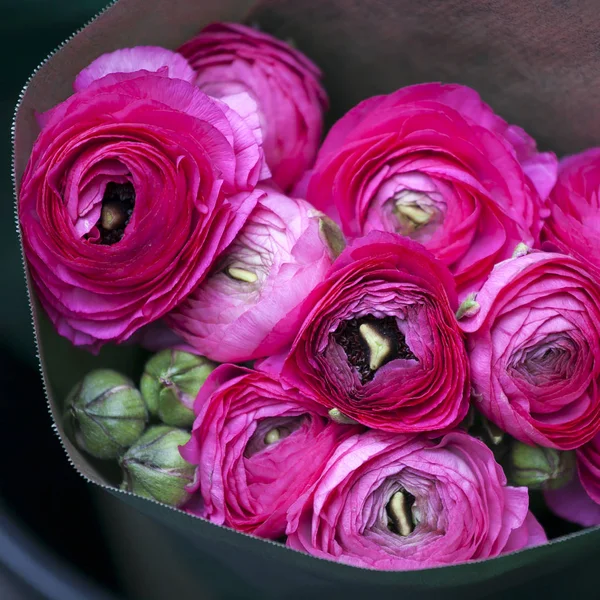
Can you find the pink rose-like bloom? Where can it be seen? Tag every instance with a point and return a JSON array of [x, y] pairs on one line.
[[579, 501], [434, 163], [133, 187], [257, 447], [534, 346], [379, 339], [394, 502], [231, 58], [573, 226], [153, 59], [276, 260]]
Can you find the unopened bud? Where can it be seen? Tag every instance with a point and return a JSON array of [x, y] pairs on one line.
[[105, 413], [468, 308], [170, 384], [154, 468], [539, 468]]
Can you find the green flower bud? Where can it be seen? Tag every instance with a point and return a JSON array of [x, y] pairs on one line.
[[154, 468], [105, 413], [539, 468], [170, 384], [469, 307]]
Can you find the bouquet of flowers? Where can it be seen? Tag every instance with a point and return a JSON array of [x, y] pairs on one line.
[[371, 342]]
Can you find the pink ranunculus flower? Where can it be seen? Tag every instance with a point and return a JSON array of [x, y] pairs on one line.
[[534, 345], [579, 500], [257, 447], [280, 255], [395, 502], [434, 163], [153, 59], [230, 58], [133, 187], [378, 340], [573, 226]]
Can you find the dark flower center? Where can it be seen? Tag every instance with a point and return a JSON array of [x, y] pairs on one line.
[[370, 343], [399, 513], [117, 208]]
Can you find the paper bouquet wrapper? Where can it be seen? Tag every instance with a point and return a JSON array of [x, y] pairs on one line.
[[538, 65]]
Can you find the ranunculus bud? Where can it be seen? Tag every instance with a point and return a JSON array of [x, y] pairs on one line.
[[244, 309], [539, 468], [170, 384], [397, 502], [154, 468], [105, 413]]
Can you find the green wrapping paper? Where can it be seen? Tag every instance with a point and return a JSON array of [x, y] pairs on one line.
[[536, 63]]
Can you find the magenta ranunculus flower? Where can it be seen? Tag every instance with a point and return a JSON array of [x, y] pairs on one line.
[[534, 345], [434, 163], [379, 340], [231, 58], [133, 187], [395, 502], [573, 226], [283, 251], [579, 501], [258, 447], [153, 59]]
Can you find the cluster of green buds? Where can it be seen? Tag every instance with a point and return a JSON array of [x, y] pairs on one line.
[[109, 418]]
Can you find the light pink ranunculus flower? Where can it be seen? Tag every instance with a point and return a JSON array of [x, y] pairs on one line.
[[534, 346], [434, 163], [395, 502], [153, 59], [579, 500], [231, 58], [282, 252], [258, 447], [379, 341], [133, 188], [574, 224]]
